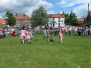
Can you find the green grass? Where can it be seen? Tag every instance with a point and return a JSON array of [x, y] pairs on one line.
[[74, 52]]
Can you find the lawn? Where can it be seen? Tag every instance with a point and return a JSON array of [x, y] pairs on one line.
[[74, 52]]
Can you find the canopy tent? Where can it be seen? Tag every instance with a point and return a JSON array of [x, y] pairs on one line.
[[87, 23]]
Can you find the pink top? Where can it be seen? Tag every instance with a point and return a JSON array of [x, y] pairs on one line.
[[47, 32], [60, 35], [23, 32], [75, 30], [65, 30], [28, 35]]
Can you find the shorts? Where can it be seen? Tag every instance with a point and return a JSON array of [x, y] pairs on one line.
[[86, 33]]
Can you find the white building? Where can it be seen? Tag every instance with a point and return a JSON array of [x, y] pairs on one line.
[[56, 20]]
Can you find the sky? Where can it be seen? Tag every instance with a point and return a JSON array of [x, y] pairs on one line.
[[79, 7]]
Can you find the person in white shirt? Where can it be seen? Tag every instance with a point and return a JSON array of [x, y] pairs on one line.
[[70, 30]]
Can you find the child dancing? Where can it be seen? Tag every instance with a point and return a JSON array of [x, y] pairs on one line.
[[60, 36]]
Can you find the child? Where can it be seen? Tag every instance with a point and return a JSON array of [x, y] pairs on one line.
[[32, 32], [28, 36], [66, 31], [75, 30], [60, 37], [44, 33], [86, 31], [23, 34], [48, 33]]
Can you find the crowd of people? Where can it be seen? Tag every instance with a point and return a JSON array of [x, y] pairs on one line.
[[5, 32], [27, 34], [84, 30]]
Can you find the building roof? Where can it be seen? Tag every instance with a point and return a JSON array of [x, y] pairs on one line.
[[56, 15], [22, 16], [2, 20], [81, 20]]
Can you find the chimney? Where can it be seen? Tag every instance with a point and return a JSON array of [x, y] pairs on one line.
[[16, 14], [24, 15], [88, 8], [63, 13], [83, 16]]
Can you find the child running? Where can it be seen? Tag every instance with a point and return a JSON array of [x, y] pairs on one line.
[[28, 36], [60, 37], [44, 33], [23, 32], [32, 32], [48, 33]]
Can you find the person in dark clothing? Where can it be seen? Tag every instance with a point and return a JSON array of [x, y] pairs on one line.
[[79, 31]]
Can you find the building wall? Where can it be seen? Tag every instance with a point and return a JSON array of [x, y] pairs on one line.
[[58, 23], [22, 22], [88, 18], [3, 25]]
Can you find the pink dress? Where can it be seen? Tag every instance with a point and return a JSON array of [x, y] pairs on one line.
[[23, 34], [47, 32], [28, 35], [60, 36]]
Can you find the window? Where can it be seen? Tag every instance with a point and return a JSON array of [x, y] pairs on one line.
[[58, 24], [29, 25], [53, 19], [58, 19], [53, 24], [18, 25], [26, 25], [25, 20], [17, 20], [3, 23]]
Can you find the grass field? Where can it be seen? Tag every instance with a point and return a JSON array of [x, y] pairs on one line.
[[74, 52]]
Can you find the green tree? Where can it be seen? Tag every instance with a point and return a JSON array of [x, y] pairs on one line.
[[66, 18], [39, 17], [72, 18], [11, 20]]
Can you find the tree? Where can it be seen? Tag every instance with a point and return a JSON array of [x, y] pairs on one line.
[[66, 18], [39, 17], [11, 20], [72, 18]]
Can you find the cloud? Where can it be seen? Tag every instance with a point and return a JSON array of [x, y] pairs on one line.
[[63, 2], [22, 6], [51, 12], [70, 3], [82, 10], [1, 17]]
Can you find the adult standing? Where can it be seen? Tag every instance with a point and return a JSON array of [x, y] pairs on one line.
[[86, 31], [79, 31], [70, 30], [83, 30], [90, 30]]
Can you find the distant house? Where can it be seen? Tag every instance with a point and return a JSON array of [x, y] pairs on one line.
[[56, 20], [80, 20], [2, 23], [23, 19]]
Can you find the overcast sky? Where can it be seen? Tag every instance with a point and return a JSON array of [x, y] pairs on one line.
[[79, 7]]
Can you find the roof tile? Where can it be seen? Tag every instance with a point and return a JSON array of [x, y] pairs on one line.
[[2, 20], [22, 16], [56, 15]]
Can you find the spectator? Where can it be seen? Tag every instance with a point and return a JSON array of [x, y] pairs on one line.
[[70, 30], [79, 31]]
